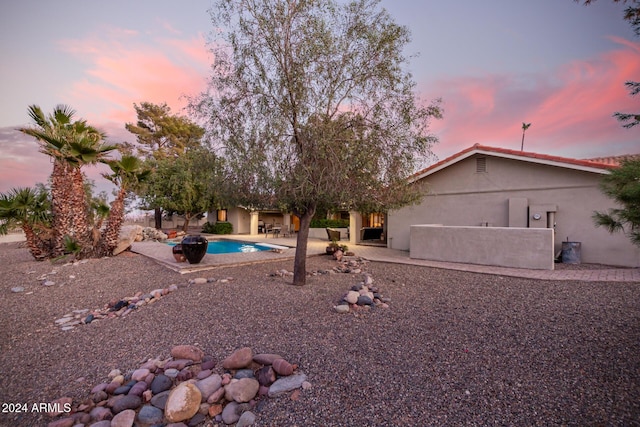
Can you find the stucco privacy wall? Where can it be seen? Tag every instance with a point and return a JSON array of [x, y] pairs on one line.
[[500, 246], [458, 195]]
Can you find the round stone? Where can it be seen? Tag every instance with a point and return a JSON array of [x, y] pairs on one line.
[[126, 402], [160, 399], [150, 415], [161, 383], [343, 308], [124, 418], [246, 419], [123, 389], [140, 374], [171, 372], [244, 373], [352, 297], [183, 402], [364, 300], [138, 388]]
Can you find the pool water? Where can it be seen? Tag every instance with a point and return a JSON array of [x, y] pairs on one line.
[[233, 246]]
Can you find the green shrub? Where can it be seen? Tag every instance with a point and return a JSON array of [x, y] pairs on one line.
[[220, 227], [329, 223]]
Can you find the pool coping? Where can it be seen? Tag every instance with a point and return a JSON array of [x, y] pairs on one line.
[[161, 253]]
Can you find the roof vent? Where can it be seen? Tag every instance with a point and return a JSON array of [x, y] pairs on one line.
[[481, 164]]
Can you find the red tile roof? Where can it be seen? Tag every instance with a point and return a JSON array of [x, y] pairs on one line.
[[614, 160], [524, 155]]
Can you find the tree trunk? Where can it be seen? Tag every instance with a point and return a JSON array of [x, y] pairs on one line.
[[185, 226], [300, 262], [81, 228], [61, 221], [36, 245], [158, 217], [109, 239]]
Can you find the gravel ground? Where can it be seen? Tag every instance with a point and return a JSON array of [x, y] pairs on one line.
[[454, 348]]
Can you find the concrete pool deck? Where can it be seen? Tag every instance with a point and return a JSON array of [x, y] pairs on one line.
[[163, 255]]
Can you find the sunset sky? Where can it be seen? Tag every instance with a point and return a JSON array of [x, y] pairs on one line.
[[554, 63]]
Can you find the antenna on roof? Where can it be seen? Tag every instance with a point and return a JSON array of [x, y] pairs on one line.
[[525, 126]]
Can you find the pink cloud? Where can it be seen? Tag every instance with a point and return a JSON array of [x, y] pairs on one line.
[[124, 68], [22, 164], [570, 109]]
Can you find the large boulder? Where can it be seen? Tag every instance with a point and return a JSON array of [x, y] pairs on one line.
[[126, 237], [150, 233], [183, 402]]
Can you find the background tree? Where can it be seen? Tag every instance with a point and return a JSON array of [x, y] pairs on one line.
[[525, 126], [312, 104], [128, 172], [630, 120], [161, 135], [189, 184], [623, 185], [29, 209]]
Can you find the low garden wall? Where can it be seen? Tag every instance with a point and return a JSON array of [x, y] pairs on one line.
[[499, 246]]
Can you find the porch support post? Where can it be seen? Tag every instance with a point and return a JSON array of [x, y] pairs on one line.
[[253, 227], [355, 225]]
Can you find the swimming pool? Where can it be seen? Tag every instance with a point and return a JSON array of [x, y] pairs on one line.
[[233, 246]]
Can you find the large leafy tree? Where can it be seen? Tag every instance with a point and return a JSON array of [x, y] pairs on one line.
[[162, 135], [189, 184], [623, 185], [71, 144], [314, 107]]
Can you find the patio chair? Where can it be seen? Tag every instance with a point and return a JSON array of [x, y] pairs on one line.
[[333, 234], [288, 231]]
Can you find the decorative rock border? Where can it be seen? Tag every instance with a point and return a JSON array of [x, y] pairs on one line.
[[186, 390], [348, 265], [124, 306]]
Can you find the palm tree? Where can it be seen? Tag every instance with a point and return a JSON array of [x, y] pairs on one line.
[[71, 144], [525, 126], [127, 173], [30, 210]]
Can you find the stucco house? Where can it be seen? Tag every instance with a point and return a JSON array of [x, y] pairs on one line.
[[504, 190]]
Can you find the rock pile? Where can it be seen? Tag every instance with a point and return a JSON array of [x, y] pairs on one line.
[[347, 265], [149, 233], [185, 389], [136, 233], [124, 306], [363, 295]]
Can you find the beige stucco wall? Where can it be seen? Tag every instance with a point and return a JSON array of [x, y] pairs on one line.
[[501, 246], [240, 219], [460, 196]]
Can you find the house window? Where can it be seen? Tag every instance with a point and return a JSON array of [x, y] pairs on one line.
[[481, 164], [373, 220], [222, 214]]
